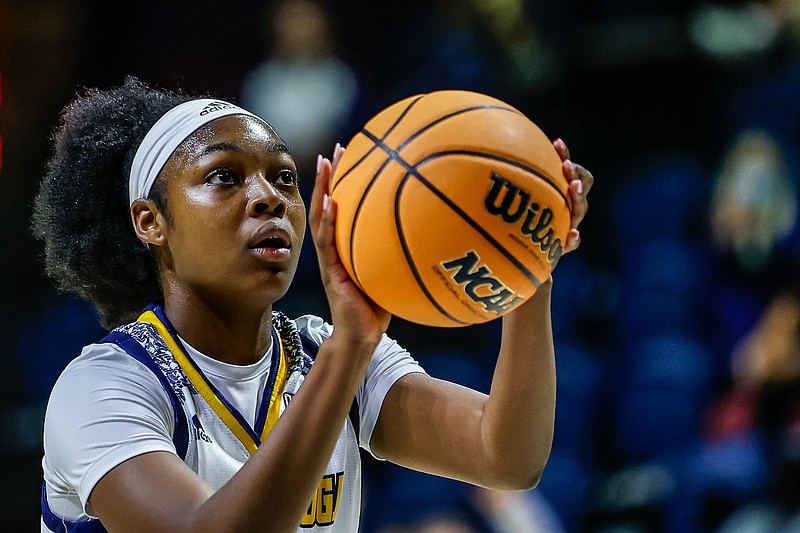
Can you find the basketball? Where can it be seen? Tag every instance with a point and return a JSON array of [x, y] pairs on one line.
[[452, 208]]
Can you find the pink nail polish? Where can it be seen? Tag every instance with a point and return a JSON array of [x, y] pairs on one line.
[[579, 187], [326, 202], [319, 162]]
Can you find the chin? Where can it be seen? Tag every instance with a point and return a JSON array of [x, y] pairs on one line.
[[273, 288]]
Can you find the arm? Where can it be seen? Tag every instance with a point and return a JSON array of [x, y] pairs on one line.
[[158, 492], [501, 440]]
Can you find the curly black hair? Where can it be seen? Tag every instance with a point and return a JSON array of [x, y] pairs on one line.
[[81, 211]]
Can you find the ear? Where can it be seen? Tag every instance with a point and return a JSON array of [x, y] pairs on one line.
[[148, 222]]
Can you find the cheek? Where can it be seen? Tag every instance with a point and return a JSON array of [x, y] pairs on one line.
[[296, 211], [200, 228]]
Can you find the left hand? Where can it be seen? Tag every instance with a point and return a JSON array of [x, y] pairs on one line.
[[354, 316], [580, 182]]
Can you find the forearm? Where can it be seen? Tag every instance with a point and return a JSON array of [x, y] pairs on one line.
[[499, 441], [518, 416], [274, 488]]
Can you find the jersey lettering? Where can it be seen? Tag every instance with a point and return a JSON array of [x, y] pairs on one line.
[[325, 503]]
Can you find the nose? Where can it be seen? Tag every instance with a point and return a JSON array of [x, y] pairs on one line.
[[264, 199]]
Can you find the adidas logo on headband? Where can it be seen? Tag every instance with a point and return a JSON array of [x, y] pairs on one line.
[[215, 106], [167, 134]]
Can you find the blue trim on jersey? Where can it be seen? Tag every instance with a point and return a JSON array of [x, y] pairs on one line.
[[56, 524], [311, 348], [159, 312], [261, 418], [180, 437]]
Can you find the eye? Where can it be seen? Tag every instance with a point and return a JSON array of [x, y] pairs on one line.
[[221, 176], [287, 177]]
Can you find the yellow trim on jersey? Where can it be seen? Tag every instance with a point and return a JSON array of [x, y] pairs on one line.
[[274, 410], [203, 387]]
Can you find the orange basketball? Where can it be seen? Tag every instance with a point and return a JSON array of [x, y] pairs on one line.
[[452, 208]]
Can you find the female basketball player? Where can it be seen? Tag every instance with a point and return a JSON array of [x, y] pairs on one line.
[[210, 412]]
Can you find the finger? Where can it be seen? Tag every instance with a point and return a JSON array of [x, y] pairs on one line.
[[586, 178], [580, 181], [338, 152], [321, 186], [573, 240], [561, 148], [577, 176], [330, 263], [324, 233], [580, 205]]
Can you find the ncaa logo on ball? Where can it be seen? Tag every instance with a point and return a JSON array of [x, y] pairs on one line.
[[478, 284]]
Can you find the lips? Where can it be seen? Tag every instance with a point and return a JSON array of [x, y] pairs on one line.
[[273, 242], [270, 237]]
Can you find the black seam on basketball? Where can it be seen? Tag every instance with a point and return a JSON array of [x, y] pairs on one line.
[[388, 131], [410, 260], [358, 212], [439, 120], [423, 129], [494, 157], [466, 152], [412, 170]]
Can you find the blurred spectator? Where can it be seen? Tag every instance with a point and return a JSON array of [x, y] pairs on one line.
[[754, 201], [754, 428], [743, 475], [302, 88], [753, 220], [516, 512], [771, 352], [529, 62], [729, 33]]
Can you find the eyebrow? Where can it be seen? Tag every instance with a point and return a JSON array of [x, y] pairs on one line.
[[229, 146]]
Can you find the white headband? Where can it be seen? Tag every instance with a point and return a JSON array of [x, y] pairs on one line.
[[167, 134]]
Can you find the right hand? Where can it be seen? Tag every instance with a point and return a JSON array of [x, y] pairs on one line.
[[356, 318]]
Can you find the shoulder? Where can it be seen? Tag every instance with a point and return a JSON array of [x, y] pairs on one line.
[[100, 358], [314, 328], [101, 387], [317, 330], [102, 369], [104, 408]]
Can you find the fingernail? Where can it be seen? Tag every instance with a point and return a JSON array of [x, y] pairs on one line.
[[319, 162], [336, 149], [326, 202], [579, 187]]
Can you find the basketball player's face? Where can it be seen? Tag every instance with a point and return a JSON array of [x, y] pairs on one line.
[[236, 218]]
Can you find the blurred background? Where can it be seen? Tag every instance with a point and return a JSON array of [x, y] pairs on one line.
[[676, 322]]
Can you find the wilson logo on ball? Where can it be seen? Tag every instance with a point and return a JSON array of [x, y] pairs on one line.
[[516, 203], [479, 285], [452, 207]]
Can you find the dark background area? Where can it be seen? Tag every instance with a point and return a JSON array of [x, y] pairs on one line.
[[651, 96]]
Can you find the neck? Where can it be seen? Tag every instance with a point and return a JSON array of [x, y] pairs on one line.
[[225, 332]]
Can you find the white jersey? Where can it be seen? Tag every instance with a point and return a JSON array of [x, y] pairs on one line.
[[142, 389]]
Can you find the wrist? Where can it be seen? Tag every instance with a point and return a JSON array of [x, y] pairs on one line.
[[354, 347], [542, 295]]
